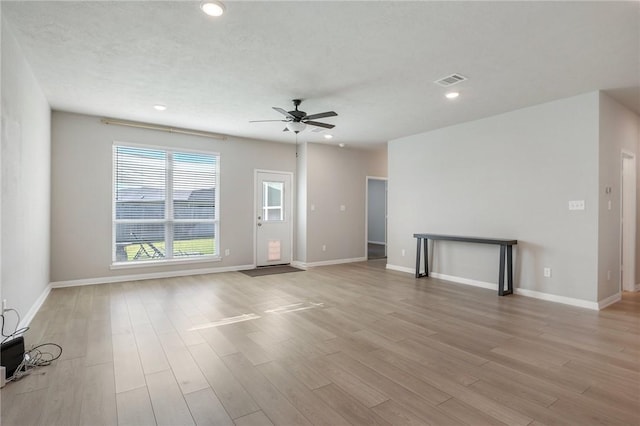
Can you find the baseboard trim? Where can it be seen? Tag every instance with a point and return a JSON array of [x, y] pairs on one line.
[[614, 298], [580, 303], [520, 291], [465, 281], [298, 264], [26, 320], [401, 269], [332, 262], [148, 276]]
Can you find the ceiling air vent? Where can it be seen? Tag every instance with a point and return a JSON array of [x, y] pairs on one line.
[[450, 80]]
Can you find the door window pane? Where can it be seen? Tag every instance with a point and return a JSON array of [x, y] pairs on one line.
[[274, 194], [274, 214], [272, 201]]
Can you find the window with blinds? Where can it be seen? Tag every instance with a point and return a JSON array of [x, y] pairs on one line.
[[165, 204]]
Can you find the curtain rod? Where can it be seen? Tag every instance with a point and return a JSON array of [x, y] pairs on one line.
[[169, 129]]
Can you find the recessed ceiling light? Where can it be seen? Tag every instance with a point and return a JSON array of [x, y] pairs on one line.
[[160, 107], [341, 145], [212, 7], [452, 95], [328, 136]]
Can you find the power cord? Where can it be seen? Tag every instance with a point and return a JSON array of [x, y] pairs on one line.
[[35, 357], [17, 332], [38, 356]]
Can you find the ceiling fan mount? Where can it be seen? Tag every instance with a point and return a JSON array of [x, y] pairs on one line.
[[299, 115], [297, 120]]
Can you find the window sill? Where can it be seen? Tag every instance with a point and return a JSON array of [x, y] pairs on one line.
[[168, 262]]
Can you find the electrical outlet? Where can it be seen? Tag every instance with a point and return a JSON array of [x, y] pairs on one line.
[[609, 204], [324, 248], [608, 275], [227, 252], [403, 252], [547, 272], [576, 205]]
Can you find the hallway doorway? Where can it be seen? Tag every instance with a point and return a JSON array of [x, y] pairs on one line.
[[376, 224]]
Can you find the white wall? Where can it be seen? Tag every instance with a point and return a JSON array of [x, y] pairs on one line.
[[300, 250], [619, 129], [376, 210], [82, 186], [25, 159], [336, 177], [507, 176], [1, 136]]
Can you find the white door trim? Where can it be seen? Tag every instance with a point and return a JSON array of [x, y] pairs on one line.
[[628, 270], [366, 214], [255, 209]]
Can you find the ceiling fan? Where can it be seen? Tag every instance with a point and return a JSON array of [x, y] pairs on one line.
[[297, 120]]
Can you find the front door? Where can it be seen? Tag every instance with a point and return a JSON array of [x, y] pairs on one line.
[[273, 218]]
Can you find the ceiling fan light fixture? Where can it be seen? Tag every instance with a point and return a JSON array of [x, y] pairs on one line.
[[328, 136], [212, 7], [296, 126]]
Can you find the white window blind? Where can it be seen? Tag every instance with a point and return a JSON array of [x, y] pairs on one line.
[[165, 204]]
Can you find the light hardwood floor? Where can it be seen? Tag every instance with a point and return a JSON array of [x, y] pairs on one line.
[[349, 344]]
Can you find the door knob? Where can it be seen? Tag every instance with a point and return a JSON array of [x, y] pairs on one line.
[[259, 224]]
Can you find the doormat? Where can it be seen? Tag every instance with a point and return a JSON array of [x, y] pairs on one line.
[[271, 270]]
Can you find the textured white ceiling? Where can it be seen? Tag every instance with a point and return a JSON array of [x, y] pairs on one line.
[[373, 63]]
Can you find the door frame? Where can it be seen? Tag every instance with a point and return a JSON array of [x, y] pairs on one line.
[[366, 213], [255, 209], [627, 155]]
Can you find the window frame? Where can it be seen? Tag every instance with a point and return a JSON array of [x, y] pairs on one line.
[[169, 221]]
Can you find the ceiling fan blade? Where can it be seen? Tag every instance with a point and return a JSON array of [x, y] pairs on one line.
[[283, 112], [321, 115], [263, 121], [325, 125]]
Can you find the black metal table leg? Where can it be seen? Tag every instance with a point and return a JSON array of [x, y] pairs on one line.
[[426, 257], [426, 265], [509, 270], [418, 257], [501, 275]]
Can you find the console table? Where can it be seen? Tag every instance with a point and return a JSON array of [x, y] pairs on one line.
[[505, 254]]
